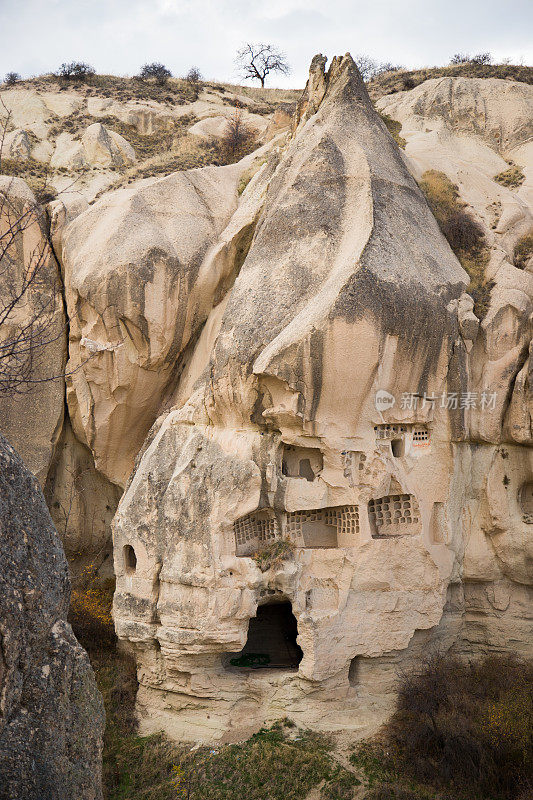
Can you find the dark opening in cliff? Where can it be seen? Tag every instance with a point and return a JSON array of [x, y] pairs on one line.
[[271, 641]]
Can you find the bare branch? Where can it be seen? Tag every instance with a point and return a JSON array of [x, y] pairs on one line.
[[256, 61]]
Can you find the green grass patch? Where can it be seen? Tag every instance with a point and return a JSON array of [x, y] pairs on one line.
[[277, 763], [274, 554]]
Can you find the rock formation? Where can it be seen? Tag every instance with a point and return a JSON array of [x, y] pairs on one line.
[[99, 147], [51, 713], [320, 418], [325, 453], [26, 249], [138, 289]]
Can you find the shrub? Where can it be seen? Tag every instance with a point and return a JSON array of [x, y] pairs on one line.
[[76, 70], [394, 127], [460, 58], [193, 76], [464, 58], [238, 139], [90, 612], [193, 79], [366, 66], [274, 554], [512, 178], [523, 250], [463, 233], [156, 71], [466, 726], [387, 66], [481, 58], [12, 78]]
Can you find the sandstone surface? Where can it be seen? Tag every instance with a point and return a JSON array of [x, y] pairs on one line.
[[138, 291], [35, 434], [401, 533], [325, 453]]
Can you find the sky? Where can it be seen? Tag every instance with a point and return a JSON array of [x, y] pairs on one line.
[[119, 36]]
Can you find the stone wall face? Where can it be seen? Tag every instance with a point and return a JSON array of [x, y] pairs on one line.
[[407, 522], [51, 713]]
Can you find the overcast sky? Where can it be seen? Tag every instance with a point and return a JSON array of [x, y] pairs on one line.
[[118, 36]]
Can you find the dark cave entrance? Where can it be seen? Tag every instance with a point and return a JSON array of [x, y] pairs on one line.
[[271, 642]]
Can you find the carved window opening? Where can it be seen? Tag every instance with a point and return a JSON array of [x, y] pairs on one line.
[[301, 462], [398, 447], [271, 642], [420, 435], [397, 435], [394, 515], [322, 527], [353, 672], [130, 559], [525, 499], [318, 528], [353, 462], [389, 431], [254, 531]]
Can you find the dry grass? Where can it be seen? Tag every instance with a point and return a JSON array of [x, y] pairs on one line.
[[274, 554], [162, 140], [394, 128], [401, 80], [36, 174], [267, 96], [523, 250], [187, 152], [464, 235], [461, 730], [512, 178], [174, 92]]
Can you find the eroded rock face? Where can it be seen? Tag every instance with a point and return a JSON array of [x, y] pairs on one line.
[[401, 535], [28, 253], [51, 713], [141, 280], [449, 124], [99, 147]]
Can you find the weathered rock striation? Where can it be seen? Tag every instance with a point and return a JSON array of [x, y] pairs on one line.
[[325, 454], [51, 713], [322, 414], [28, 260]]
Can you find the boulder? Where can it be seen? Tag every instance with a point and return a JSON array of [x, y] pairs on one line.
[[16, 144], [68, 153], [51, 713], [98, 148], [105, 148]]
